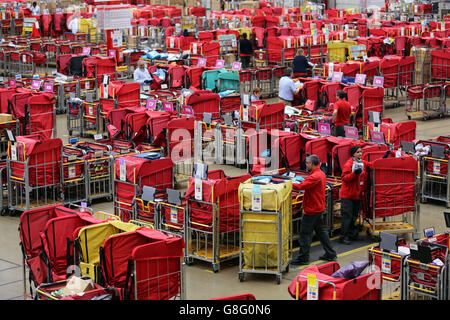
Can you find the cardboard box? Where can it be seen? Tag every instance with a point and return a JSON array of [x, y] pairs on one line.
[[77, 285], [215, 5], [229, 58], [5, 117], [249, 5]]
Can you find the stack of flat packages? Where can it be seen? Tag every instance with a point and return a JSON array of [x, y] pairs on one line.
[[422, 70]]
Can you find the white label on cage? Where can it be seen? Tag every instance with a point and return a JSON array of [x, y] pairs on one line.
[[173, 215], [288, 42], [233, 43], [164, 86], [413, 246], [287, 129], [402, 31], [87, 85], [98, 136], [194, 48], [314, 40], [312, 289], [330, 69], [432, 34], [434, 239], [326, 37], [71, 171], [72, 158], [13, 152], [24, 58], [153, 33], [245, 113], [302, 41], [413, 31], [256, 198], [146, 87], [385, 265], [442, 26], [172, 42], [198, 189], [123, 170], [90, 110], [341, 35], [291, 175], [437, 167], [105, 91]]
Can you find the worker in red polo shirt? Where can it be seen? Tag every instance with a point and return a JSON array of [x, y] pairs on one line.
[[313, 208], [341, 114]]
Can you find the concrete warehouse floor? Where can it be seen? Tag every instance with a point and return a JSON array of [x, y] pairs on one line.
[[201, 282]]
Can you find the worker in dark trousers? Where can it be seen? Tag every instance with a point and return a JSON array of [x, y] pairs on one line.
[[301, 64], [313, 208], [354, 173], [341, 114], [245, 51]]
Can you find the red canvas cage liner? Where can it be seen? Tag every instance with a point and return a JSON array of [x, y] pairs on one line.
[[157, 123], [40, 118], [140, 172], [203, 101], [55, 224], [389, 68], [406, 71], [264, 116], [126, 94], [394, 186], [153, 257], [440, 65], [371, 100], [221, 191], [328, 93], [330, 288], [396, 132], [180, 136], [38, 160], [323, 148]]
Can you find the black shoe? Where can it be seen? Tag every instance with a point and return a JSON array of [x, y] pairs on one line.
[[299, 262], [344, 241], [328, 258]]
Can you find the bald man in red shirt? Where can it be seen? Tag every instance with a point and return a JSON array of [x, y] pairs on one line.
[[313, 207]]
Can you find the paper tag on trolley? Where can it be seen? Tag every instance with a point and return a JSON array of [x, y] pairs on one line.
[[256, 198], [386, 265], [123, 169], [71, 172], [198, 189], [312, 289], [437, 167], [173, 215], [13, 152], [168, 106]]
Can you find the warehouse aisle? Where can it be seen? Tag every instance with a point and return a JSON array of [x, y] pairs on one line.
[[201, 282]]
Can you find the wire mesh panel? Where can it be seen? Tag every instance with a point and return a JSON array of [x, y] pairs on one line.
[[435, 179], [425, 280], [35, 179], [212, 223], [265, 237]]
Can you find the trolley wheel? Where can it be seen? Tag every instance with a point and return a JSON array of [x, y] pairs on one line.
[[409, 117], [3, 212], [241, 277], [287, 268], [215, 267], [109, 198], [423, 200], [447, 205], [70, 132], [278, 278], [188, 261]]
